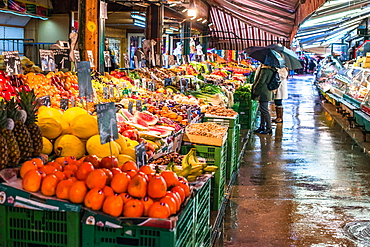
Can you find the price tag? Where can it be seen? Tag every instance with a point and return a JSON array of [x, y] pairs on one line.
[[130, 107], [119, 90], [143, 83], [47, 60], [137, 83], [45, 100], [62, 59], [73, 102], [140, 155], [107, 122], [111, 92], [89, 98], [12, 62], [186, 83], [105, 93], [64, 104], [139, 105], [136, 62], [189, 116], [84, 79], [209, 67]]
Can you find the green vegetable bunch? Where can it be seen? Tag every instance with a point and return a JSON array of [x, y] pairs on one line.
[[244, 92]]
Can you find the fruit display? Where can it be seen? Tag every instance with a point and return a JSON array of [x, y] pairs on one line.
[[119, 191], [207, 129], [220, 111]]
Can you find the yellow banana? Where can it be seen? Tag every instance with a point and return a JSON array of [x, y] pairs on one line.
[[175, 169], [193, 160], [184, 172], [198, 173], [196, 169], [210, 168], [185, 159], [191, 178]]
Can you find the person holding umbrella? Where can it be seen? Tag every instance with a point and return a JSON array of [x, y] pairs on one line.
[[280, 94]]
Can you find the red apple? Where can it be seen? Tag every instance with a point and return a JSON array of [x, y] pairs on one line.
[[93, 159], [109, 162]]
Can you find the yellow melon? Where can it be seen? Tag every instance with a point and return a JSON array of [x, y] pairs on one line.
[[94, 146], [47, 147], [122, 142], [73, 112], [69, 145], [84, 126], [49, 113], [130, 151], [123, 158], [50, 127]]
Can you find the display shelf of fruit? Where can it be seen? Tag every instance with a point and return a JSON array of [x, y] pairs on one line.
[[220, 111], [207, 129], [102, 185], [11, 85]]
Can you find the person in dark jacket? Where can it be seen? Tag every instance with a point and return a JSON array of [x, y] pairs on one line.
[[261, 93]]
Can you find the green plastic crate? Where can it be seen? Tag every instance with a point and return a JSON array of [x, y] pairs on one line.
[[203, 208], [248, 116], [22, 227], [143, 236], [229, 122]]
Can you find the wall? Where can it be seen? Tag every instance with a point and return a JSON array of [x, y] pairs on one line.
[[119, 34]]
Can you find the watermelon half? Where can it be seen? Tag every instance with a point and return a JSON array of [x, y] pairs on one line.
[[147, 117]]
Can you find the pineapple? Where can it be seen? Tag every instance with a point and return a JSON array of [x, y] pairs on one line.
[[29, 104], [6, 132], [20, 131], [3, 153]]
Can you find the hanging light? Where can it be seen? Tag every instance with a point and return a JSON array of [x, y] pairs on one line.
[[192, 13]]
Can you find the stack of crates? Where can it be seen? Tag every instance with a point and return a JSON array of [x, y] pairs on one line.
[[202, 214], [144, 236], [248, 113], [28, 227], [233, 140], [216, 156]]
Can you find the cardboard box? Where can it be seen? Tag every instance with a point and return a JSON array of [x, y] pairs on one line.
[[205, 140]]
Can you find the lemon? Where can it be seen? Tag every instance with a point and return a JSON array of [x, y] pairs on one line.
[[73, 112], [69, 145], [50, 127], [47, 147], [94, 146], [84, 126]]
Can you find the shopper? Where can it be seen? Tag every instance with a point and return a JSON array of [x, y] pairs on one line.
[[280, 94], [261, 93]]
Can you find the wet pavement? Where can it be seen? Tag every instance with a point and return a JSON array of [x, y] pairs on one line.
[[303, 184]]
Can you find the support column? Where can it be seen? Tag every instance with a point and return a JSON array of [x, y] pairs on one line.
[[154, 24], [186, 34], [88, 29]]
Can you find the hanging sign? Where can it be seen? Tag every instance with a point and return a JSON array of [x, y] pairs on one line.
[[77, 56], [126, 61], [107, 61], [107, 122], [12, 63], [84, 79], [45, 100], [130, 107], [61, 57], [140, 155], [47, 60], [136, 62]]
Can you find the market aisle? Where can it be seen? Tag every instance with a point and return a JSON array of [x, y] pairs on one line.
[[301, 185]]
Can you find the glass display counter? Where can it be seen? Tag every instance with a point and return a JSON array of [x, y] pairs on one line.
[[342, 79], [358, 87]]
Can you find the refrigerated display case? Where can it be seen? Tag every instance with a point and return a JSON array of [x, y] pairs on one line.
[[343, 79], [358, 88]]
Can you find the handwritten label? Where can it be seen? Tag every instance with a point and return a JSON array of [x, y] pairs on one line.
[[140, 155], [139, 105], [130, 107], [45, 100], [90, 55], [47, 60], [61, 57], [107, 122], [189, 115], [64, 104], [12, 63]]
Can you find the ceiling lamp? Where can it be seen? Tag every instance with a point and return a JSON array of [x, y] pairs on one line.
[[192, 13]]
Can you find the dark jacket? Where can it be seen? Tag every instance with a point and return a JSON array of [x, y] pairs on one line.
[[259, 88]]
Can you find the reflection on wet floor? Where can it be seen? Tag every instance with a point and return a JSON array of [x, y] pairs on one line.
[[301, 185]]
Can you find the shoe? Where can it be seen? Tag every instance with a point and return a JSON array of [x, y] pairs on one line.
[[279, 115], [266, 132], [259, 130]]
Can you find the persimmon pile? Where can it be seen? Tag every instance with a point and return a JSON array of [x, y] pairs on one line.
[[118, 191]]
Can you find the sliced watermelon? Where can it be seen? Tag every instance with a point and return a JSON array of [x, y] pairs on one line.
[[140, 121], [146, 116], [126, 114], [120, 118]]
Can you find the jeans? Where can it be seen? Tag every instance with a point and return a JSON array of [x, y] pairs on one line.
[[265, 114]]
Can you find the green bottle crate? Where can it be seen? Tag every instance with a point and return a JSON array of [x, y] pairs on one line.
[[23, 227], [143, 236]]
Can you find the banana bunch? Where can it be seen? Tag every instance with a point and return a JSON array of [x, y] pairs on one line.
[[192, 167]]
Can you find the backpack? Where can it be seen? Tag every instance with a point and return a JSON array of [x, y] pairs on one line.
[[275, 81]]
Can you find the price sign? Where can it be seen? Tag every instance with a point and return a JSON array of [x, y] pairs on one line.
[[209, 67], [137, 83], [73, 102], [61, 57], [45, 100], [90, 55], [167, 82], [107, 61], [130, 107], [12, 63], [77, 56], [111, 92], [47, 60], [84, 79], [105, 92], [107, 122], [136, 61], [139, 105], [140, 155], [189, 116], [64, 104]]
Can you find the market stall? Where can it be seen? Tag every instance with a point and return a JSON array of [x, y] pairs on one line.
[[129, 158]]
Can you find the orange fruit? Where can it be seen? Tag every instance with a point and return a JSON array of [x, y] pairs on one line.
[[120, 182], [94, 199], [96, 179], [157, 187], [71, 167], [131, 173], [32, 180], [147, 202], [159, 210], [171, 178], [108, 191], [48, 169], [129, 165], [61, 161], [125, 197], [109, 175], [113, 205], [63, 188], [115, 170], [137, 186], [171, 203], [69, 159], [38, 162], [27, 166], [69, 173], [175, 195], [133, 208], [181, 192], [146, 169], [84, 169], [49, 184], [185, 187], [60, 175], [58, 166], [77, 192]]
